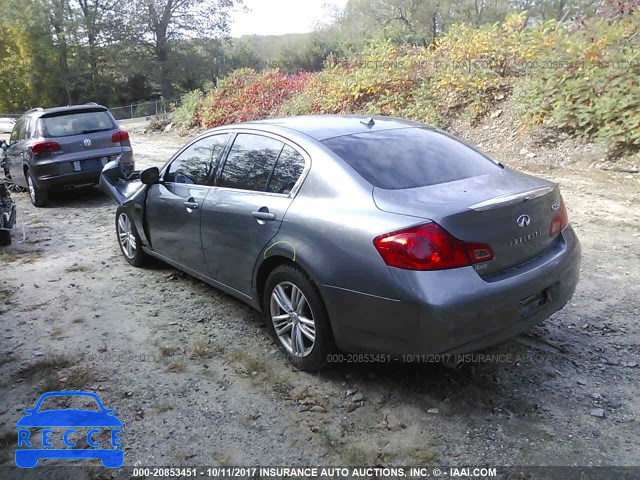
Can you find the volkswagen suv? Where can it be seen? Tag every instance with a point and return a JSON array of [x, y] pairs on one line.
[[64, 147]]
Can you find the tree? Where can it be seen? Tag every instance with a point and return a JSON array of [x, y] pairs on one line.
[[195, 63], [163, 21], [99, 25], [58, 18], [29, 61], [417, 22]]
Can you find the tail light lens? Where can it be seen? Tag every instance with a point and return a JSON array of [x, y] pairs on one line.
[[429, 247], [560, 220], [120, 136], [45, 147], [479, 252]]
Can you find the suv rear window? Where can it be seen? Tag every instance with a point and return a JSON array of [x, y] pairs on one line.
[[77, 123], [409, 157]]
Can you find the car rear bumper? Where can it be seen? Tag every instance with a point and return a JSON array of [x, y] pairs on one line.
[[62, 173], [456, 311]]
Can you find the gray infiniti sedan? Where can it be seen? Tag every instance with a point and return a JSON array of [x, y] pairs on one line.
[[376, 235]]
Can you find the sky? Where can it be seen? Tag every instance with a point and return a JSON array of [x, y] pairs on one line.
[[276, 17]]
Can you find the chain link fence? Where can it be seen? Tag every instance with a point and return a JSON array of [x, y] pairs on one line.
[[133, 110], [145, 109]]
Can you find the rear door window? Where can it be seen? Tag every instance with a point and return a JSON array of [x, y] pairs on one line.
[[78, 123], [199, 161], [30, 128], [288, 169], [18, 130], [250, 162], [409, 157]]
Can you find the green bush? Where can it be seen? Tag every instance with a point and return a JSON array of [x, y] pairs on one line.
[[587, 82], [186, 115]]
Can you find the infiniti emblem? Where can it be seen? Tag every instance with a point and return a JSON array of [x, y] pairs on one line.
[[523, 221], [87, 142]]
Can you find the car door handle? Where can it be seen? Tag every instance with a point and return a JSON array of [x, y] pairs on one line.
[[191, 205], [264, 215]]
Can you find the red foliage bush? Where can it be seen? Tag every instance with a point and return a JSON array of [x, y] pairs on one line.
[[246, 95]]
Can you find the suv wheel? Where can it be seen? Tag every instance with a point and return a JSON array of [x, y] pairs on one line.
[[38, 196], [297, 318]]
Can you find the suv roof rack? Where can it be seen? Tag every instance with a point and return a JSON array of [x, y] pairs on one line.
[[91, 103], [37, 109]]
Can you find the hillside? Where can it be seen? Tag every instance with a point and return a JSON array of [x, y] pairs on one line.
[[580, 80]]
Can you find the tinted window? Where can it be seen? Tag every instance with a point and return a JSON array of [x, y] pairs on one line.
[[250, 162], [18, 130], [77, 123], [196, 163], [409, 157], [30, 128], [288, 169]]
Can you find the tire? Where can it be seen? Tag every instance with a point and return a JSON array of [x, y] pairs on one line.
[[129, 240], [5, 238], [38, 196], [302, 333]]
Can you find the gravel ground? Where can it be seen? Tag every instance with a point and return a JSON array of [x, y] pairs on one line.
[[196, 380]]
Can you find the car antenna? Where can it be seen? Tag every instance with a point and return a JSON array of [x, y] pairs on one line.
[[369, 122]]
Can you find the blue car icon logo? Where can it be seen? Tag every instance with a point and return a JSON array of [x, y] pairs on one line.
[[73, 425]]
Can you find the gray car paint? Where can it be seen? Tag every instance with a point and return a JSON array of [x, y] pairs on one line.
[[449, 205], [327, 226], [57, 169]]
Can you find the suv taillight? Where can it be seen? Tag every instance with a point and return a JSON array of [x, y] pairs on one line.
[[560, 220], [45, 147], [120, 136], [429, 247]]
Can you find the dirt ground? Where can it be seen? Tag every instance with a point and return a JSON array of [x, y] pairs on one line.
[[196, 380]]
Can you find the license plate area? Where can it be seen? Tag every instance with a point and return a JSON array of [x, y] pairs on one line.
[[90, 164], [529, 305]]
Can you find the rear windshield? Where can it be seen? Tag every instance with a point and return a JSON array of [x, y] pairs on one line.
[[409, 157], [77, 123]]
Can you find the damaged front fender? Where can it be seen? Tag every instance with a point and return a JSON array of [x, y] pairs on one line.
[[119, 184], [127, 190]]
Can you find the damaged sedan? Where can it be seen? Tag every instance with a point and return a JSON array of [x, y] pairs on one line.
[[362, 234]]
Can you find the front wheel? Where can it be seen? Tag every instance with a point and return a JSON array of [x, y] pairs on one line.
[[129, 240], [297, 318], [39, 197]]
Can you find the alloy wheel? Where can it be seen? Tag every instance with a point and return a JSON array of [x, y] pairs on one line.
[[292, 319], [32, 189], [126, 236]]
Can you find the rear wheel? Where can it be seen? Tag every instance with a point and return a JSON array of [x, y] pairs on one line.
[[39, 197], [297, 318], [129, 240]]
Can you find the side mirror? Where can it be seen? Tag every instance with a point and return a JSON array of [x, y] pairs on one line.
[[150, 176]]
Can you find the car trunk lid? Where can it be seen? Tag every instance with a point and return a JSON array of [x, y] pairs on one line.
[[509, 211]]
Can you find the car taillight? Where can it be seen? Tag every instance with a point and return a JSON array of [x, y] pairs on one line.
[[429, 247], [120, 136], [45, 147], [560, 220], [479, 252]]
